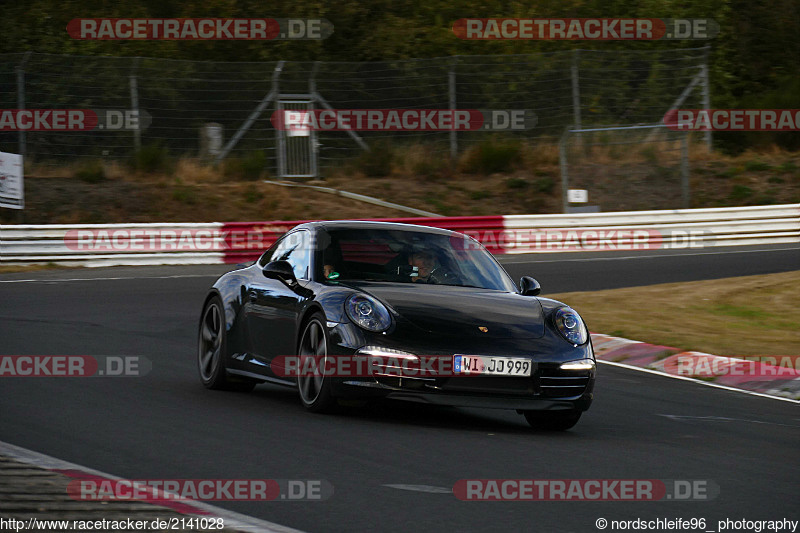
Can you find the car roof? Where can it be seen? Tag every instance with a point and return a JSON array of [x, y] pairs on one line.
[[372, 224]]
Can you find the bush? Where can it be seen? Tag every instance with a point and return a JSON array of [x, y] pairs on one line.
[[153, 158], [252, 195], [740, 192], [91, 172], [493, 156], [545, 185], [479, 195], [756, 165], [783, 93], [254, 165], [377, 161], [517, 183], [729, 173], [249, 168], [184, 193]]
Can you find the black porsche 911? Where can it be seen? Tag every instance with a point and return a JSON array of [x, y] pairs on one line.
[[360, 310]]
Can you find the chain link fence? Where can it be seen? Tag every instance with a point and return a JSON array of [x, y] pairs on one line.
[[628, 168], [578, 88]]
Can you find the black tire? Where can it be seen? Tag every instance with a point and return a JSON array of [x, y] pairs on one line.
[[552, 420], [211, 350], [315, 391]]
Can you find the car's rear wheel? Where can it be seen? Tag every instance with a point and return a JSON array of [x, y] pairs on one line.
[[211, 350], [552, 420], [315, 390]]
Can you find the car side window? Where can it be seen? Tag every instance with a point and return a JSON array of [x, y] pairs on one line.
[[266, 257], [295, 249]]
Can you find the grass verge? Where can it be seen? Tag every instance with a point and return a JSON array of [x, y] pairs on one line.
[[4, 269], [750, 315]]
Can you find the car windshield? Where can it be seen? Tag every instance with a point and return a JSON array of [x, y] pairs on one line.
[[407, 256]]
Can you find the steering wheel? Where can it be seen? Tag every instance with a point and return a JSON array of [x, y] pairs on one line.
[[442, 277]]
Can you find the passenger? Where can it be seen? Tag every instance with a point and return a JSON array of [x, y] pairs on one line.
[[330, 272]]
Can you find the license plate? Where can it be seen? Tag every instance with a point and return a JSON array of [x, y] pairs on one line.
[[491, 366]]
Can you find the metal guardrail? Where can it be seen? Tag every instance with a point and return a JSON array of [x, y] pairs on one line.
[[209, 243]]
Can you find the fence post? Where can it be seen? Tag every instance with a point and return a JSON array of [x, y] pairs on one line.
[[562, 162], [576, 91], [279, 109], [23, 147], [685, 190], [315, 144], [451, 76], [254, 115], [706, 90], [137, 133]]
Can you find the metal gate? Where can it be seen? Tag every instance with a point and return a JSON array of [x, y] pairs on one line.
[[297, 141]]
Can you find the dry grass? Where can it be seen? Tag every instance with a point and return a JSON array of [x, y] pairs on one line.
[[751, 315], [5, 269], [418, 176]]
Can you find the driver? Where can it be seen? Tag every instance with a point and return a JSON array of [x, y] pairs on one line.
[[425, 263]]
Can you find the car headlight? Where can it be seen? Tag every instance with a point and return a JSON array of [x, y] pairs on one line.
[[571, 326], [582, 364], [368, 313]]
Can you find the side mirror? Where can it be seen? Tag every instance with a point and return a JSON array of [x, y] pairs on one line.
[[281, 270], [529, 286]]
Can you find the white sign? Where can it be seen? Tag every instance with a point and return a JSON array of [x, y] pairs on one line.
[[297, 123], [11, 185], [214, 138], [578, 196]]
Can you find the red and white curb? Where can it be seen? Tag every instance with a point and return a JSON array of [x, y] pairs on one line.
[[730, 373], [232, 520]]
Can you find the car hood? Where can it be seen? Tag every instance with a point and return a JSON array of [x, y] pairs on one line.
[[463, 311]]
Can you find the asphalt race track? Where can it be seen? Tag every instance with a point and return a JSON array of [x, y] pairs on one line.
[[166, 425]]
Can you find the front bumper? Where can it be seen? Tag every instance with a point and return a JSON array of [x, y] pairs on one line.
[[548, 388], [494, 402], [575, 390]]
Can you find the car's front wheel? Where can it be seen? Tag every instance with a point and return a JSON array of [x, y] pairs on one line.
[[315, 389], [552, 420], [211, 350]]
